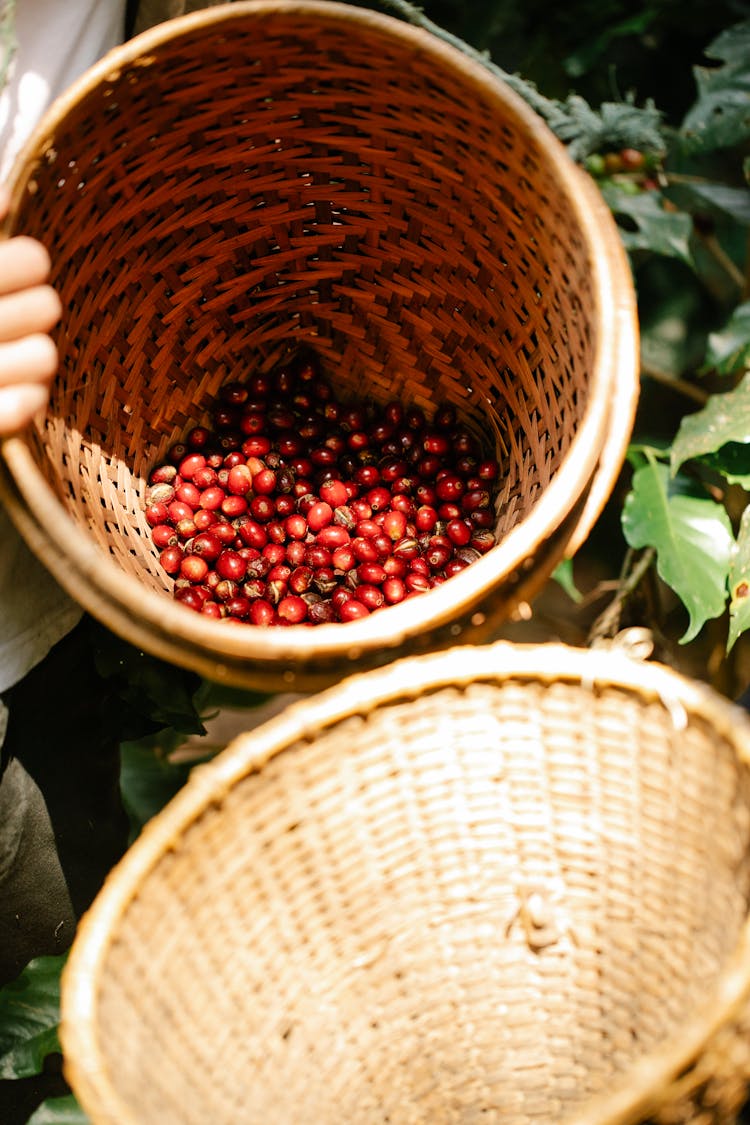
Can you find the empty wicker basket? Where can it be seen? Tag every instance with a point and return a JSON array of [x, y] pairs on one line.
[[498, 883], [264, 175]]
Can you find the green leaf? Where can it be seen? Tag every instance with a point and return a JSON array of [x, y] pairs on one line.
[[673, 317], [59, 1111], [739, 583], [692, 537], [720, 116], [563, 575], [725, 418], [732, 462], [720, 200], [148, 781], [150, 693], [590, 52], [29, 1015], [728, 348], [645, 226], [640, 453]]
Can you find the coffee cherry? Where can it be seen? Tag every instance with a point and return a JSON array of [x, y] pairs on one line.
[[240, 480], [450, 488], [198, 438], [296, 526], [632, 159], [194, 569], [458, 531], [191, 597], [231, 565], [261, 613], [238, 606], [295, 552], [212, 609], [319, 516], [224, 532], [212, 498], [233, 506], [207, 545], [332, 536], [370, 596], [425, 518], [394, 525], [334, 492], [292, 608], [343, 558], [164, 535], [353, 610], [171, 558], [262, 508], [394, 590]]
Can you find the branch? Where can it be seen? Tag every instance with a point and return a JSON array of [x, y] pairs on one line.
[[607, 623], [680, 386], [720, 256]]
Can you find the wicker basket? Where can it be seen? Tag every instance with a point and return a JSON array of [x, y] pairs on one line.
[[497, 883], [264, 175]]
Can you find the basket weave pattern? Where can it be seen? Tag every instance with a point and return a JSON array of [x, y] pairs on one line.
[[265, 176], [465, 890]]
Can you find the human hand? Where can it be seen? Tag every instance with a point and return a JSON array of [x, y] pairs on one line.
[[29, 310]]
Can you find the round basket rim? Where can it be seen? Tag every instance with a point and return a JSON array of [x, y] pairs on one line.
[[627, 1100], [146, 616]]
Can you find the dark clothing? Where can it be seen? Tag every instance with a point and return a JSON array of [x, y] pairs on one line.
[[62, 822]]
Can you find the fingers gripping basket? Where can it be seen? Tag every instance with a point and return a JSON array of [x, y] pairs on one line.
[[261, 176], [498, 883]]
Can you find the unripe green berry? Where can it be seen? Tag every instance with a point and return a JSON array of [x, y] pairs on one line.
[[594, 164]]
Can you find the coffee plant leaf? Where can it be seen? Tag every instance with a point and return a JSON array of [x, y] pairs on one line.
[[29, 1017], [563, 575], [720, 115], [644, 224], [728, 349], [725, 418], [146, 694], [588, 55], [673, 321], [732, 462], [739, 583], [149, 780], [716, 199], [59, 1111], [640, 453], [692, 537]]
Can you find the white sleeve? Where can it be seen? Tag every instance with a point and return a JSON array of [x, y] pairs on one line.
[[56, 41]]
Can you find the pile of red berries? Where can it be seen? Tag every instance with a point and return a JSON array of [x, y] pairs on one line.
[[292, 508]]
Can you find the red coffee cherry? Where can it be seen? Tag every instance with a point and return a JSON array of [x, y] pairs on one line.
[[231, 565], [292, 609], [353, 610], [207, 545]]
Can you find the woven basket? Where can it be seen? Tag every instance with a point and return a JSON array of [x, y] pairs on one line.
[[497, 883], [259, 176]]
